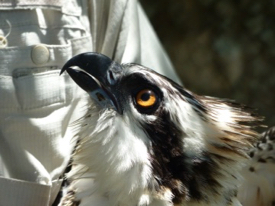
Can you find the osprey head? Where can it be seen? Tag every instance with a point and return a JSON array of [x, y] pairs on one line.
[[147, 141]]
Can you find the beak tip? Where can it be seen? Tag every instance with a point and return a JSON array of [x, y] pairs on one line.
[[66, 67], [62, 71]]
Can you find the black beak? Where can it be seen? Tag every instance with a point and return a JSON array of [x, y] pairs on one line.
[[97, 74]]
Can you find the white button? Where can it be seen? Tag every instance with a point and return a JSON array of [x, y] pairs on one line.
[[3, 42], [40, 54]]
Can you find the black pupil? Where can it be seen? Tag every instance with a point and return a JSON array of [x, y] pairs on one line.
[[145, 96]]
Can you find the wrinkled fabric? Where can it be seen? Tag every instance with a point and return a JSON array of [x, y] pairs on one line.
[[37, 106]]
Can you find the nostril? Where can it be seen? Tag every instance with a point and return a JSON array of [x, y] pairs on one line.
[[100, 97]]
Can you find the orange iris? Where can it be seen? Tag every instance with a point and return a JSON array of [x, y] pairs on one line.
[[146, 98]]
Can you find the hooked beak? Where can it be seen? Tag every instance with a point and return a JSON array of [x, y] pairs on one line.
[[97, 74]]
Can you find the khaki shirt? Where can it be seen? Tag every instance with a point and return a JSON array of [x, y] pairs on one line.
[[36, 104]]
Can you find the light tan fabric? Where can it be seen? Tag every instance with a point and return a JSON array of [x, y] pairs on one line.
[[36, 104]]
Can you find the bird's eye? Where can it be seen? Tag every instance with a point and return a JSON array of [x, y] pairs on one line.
[[146, 98]]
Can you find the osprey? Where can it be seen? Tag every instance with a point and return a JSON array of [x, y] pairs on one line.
[[146, 141]]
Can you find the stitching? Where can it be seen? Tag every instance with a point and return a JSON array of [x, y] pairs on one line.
[[5, 77], [30, 23], [30, 76], [51, 47]]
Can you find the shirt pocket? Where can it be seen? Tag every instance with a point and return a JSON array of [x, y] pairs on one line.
[[24, 85], [27, 81], [35, 88], [28, 22], [40, 87]]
